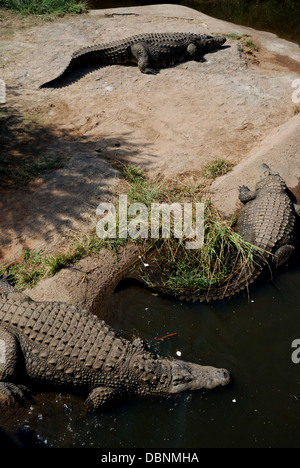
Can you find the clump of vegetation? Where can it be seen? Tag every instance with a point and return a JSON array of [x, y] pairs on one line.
[[36, 266], [223, 256], [141, 189], [45, 7], [178, 270], [235, 35], [21, 175], [217, 168], [249, 46]]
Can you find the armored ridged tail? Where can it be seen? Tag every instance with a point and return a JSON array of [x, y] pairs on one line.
[[239, 282], [109, 54]]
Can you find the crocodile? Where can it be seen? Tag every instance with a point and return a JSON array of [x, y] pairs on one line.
[[150, 52], [268, 222], [61, 345]]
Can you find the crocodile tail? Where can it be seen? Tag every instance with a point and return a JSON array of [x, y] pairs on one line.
[[93, 56], [54, 83], [59, 80], [86, 58], [6, 284], [239, 283], [76, 62]]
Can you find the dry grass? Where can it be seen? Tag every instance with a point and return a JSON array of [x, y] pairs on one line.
[[223, 256]]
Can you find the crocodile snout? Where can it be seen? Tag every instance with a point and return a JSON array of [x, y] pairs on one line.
[[216, 42], [188, 376], [224, 376]]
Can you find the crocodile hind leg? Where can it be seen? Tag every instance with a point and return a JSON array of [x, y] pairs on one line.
[[99, 396], [9, 355], [297, 209], [283, 254], [141, 55]]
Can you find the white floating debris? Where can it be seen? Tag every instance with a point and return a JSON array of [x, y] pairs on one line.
[[178, 353], [234, 400]]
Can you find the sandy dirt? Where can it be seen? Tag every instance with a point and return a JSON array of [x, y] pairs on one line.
[[234, 106]]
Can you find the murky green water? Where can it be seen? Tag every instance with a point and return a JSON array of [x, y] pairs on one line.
[[281, 17]]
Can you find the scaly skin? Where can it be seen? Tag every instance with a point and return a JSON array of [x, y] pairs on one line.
[[149, 51], [267, 221], [64, 346]]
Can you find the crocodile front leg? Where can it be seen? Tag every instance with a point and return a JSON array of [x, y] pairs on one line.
[[141, 55], [9, 355], [195, 53], [283, 254], [246, 194]]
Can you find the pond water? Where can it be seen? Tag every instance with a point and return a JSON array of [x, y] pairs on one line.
[[281, 17], [250, 336]]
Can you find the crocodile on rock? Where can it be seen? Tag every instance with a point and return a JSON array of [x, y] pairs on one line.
[[268, 222], [61, 345], [150, 51]]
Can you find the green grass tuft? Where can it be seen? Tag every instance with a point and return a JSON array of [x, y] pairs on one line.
[[21, 175], [224, 255], [45, 7], [249, 45], [141, 189], [235, 35], [36, 266], [178, 270], [217, 168]]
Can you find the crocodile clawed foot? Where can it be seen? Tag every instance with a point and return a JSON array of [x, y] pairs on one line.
[[98, 397], [150, 71], [11, 393]]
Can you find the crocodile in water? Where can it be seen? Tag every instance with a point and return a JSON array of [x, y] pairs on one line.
[[267, 221], [61, 345]]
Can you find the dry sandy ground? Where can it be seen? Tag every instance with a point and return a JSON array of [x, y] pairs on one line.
[[232, 106]]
